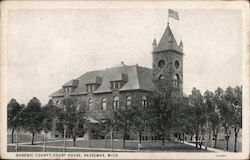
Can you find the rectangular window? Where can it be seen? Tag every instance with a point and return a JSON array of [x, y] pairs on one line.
[[90, 87]]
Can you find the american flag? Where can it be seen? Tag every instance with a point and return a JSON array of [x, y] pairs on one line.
[[173, 14]]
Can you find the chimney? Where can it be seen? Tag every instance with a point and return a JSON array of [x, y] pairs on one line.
[[122, 66]]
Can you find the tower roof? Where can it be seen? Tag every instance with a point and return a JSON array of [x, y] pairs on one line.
[[167, 42], [154, 42]]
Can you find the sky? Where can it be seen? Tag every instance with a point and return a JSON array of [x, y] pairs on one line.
[[47, 48]]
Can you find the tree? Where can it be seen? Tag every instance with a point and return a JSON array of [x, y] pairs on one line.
[[138, 123], [49, 113], [209, 114], [214, 119], [235, 99], [196, 110], [222, 101], [162, 106], [71, 116], [108, 125], [124, 117], [14, 116], [33, 117], [181, 124]]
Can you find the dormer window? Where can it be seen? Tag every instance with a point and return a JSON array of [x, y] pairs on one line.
[[116, 85], [67, 90], [118, 80], [91, 87], [93, 83], [70, 86]]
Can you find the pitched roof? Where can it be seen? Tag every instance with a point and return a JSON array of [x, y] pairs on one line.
[[167, 42], [134, 77]]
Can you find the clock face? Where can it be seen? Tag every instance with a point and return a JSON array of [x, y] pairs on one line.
[[161, 63], [176, 64]]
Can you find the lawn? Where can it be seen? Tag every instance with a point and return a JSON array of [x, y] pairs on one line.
[[27, 138], [98, 144], [147, 145]]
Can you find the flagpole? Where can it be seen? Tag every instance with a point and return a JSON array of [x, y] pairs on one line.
[[168, 18]]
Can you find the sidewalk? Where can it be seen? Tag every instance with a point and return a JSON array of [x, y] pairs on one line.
[[203, 147]]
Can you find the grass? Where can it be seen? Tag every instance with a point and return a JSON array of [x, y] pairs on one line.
[[148, 145], [27, 138], [95, 144]]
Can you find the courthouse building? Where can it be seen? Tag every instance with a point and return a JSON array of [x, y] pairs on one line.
[[108, 89]]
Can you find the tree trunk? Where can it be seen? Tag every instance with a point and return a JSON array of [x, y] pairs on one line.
[[16, 140], [227, 143], [105, 141], [124, 140], [33, 137], [235, 139], [89, 142], [183, 136], [74, 141], [44, 144], [201, 142], [12, 136], [196, 140], [215, 140], [124, 136], [111, 139], [64, 138], [163, 143], [139, 137]]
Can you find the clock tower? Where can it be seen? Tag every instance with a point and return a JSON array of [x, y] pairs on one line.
[[167, 66]]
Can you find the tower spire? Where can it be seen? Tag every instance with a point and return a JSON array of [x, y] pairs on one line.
[[181, 45], [167, 42], [154, 44]]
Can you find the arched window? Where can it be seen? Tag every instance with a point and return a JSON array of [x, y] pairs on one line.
[[176, 80], [104, 104], [144, 101], [116, 102], [77, 105], [161, 77], [90, 104], [128, 103]]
